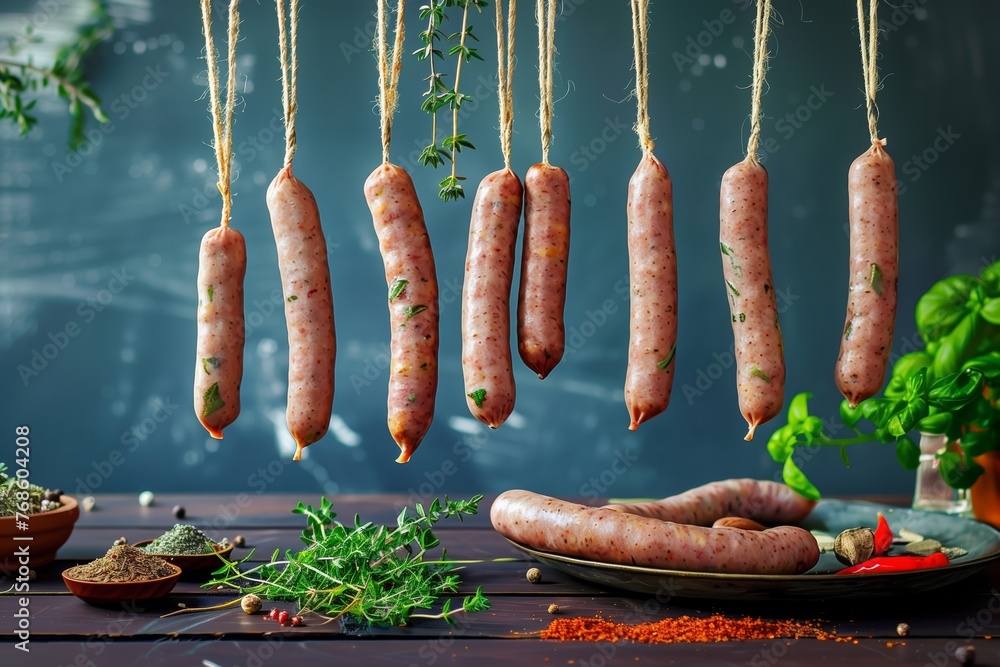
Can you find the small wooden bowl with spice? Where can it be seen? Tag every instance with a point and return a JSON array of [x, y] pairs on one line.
[[177, 545], [124, 574]]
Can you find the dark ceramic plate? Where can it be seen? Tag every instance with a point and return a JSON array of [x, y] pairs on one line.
[[820, 583]]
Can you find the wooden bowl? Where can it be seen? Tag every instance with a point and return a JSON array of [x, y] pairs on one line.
[[199, 564], [101, 593], [48, 532]]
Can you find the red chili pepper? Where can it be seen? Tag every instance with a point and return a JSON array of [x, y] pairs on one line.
[[883, 536], [897, 564]]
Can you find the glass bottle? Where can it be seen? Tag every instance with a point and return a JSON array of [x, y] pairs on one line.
[[932, 492]]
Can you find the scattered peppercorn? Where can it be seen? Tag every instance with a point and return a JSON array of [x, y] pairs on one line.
[[89, 503], [966, 654], [179, 511], [283, 617], [903, 629], [239, 541], [120, 541], [534, 575], [250, 603], [146, 498], [52, 495], [553, 608], [297, 621]]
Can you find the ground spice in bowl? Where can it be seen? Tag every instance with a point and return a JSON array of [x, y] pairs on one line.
[[122, 564], [182, 540], [689, 629]]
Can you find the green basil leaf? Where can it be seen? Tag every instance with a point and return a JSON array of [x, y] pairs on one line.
[[987, 364], [935, 423], [908, 364], [851, 416], [991, 279], [991, 310], [896, 387], [958, 473], [916, 385], [956, 391], [797, 480], [955, 346], [904, 420], [943, 306], [782, 443], [976, 443], [878, 410], [798, 409], [907, 453]]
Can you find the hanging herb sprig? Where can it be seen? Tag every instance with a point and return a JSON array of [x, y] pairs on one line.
[[21, 80], [371, 573], [439, 95]]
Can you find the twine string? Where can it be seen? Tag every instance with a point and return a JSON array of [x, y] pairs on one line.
[[869, 64], [761, 32], [545, 16], [505, 76], [389, 66], [288, 40], [640, 44], [222, 115]]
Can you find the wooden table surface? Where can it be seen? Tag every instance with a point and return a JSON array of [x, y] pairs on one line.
[[66, 631]]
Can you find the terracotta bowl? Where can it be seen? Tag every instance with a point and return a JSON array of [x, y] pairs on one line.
[[48, 531], [191, 565], [99, 593]]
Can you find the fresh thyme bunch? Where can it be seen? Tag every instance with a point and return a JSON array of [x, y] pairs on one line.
[[371, 573]]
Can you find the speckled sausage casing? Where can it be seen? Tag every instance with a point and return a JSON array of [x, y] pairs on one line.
[[762, 501], [760, 361], [871, 305], [541, 333], [607, 536], [218, 370], [653, 299], [489, 269], [305, 283], [413, 304]]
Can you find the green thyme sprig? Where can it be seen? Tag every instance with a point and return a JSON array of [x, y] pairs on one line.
[[371, 573], [22, 81], [439, 95]]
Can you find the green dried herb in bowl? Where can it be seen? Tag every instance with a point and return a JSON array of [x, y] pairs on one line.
[[182, 540]]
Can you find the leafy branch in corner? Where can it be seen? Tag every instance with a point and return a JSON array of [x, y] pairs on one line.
[[439, 95], [22, 81], [371, 573], [950, 388]]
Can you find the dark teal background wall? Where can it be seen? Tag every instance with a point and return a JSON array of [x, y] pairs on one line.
[[105, 240]]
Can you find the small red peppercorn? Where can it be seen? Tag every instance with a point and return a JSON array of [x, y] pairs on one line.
[[283, 617], [297, 621]]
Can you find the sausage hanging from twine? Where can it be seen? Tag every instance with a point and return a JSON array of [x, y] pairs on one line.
[[389, 67], [222, 116], [505, 76], [761, 32], [288, 33], [545, 16], [640, 15], [869, 63]]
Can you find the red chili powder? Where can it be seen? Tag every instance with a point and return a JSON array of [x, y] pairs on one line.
[[714, 628]]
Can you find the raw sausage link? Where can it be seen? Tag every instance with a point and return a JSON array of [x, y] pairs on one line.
[[606, 536], [305, 283], [489, 269], [760, 362], [653, 283], [762, 501], [541, 333], [413, 304], [871, 305], [218, 370]]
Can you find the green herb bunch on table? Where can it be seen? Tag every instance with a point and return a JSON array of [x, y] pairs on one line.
[[950, 388]]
